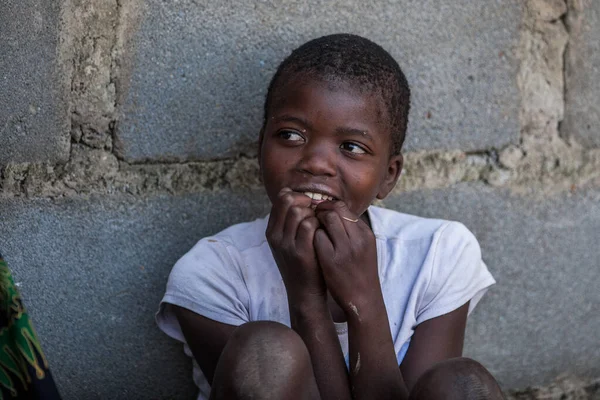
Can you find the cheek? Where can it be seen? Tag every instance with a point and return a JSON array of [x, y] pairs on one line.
[[365, 180], [274, 167]]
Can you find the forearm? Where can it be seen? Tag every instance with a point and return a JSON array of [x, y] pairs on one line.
[[314, 325], [374, 370]]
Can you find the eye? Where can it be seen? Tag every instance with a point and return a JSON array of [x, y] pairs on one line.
[[292, 136], [353, 148]]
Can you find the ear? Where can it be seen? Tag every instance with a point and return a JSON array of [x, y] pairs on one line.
[[392, 175]]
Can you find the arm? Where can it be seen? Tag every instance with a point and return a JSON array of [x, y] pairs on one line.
[[435, 340], [206, 338], [314, 325], [290, 233], [347, 254], [348, 257], [374, 367]]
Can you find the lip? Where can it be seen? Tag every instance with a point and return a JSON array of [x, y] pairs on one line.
[[322, 189]]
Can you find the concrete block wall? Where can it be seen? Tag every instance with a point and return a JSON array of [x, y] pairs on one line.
[[34, 104], [201, 73], [128, 131]]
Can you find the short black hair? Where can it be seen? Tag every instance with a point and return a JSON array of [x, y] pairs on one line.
[[355, 60]]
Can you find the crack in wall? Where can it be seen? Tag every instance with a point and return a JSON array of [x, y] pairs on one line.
[[543, 161]]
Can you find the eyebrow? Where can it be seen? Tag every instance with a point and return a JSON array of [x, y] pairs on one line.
[[354, 132], [289, 118]]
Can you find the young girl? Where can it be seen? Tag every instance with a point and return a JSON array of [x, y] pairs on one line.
[[329, 297]]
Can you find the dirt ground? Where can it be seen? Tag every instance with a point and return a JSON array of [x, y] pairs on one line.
[[564, 388]]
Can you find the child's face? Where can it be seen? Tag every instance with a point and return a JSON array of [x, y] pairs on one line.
[[328, 140]]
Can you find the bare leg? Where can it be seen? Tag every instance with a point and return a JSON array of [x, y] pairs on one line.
[[457, 379], [264, 360]]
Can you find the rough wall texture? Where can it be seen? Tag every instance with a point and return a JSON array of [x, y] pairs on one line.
[[523, 329], [162, 105], [582, 116], [202, 69], [33, 83], [92, 272]]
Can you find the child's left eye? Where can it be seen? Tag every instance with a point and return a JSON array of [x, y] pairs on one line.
[[353, 148]]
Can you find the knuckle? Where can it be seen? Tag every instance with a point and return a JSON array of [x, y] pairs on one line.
[[287, 198], [296, 212], [308, 224]]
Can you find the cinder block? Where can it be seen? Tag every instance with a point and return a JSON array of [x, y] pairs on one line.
[[582, 113], [92, 273], [34, 117], [201, 70], [541, 319]]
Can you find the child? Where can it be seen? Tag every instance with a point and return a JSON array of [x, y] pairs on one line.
[[329, 297]]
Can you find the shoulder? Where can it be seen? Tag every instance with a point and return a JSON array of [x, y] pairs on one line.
[[432, 265], [221, 252], [392, 225], [238, 237]]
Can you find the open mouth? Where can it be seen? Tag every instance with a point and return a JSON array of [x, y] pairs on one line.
[[319, 197]]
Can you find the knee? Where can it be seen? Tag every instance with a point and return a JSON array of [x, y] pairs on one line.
[[457, 378], [263, 359], [266, 339]]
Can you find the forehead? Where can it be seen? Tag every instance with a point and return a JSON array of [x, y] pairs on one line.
[[331, 103]]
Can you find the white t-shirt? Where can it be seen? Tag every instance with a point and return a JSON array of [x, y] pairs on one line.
[[427, 268]]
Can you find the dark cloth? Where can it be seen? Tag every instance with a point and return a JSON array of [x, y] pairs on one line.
[[24, 372]]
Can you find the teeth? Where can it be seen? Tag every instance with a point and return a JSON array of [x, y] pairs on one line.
[[318, 196]]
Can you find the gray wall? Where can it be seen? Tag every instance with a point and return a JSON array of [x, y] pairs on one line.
[[128, 131]]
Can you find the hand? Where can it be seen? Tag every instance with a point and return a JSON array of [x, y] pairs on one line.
[[290, 233], [347, 254]]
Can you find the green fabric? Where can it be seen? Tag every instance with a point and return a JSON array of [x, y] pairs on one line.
[[23, 367]]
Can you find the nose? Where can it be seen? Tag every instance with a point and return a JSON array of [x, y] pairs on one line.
[[318, 160]]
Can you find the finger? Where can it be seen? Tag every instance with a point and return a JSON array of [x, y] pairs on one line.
[[273, 216], [293, 219], [351, 222], [305, 235], [334, 227], [323, 247], [285, 199]]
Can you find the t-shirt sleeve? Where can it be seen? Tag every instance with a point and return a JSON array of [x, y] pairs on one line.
[[458, 274], [208, 281]]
